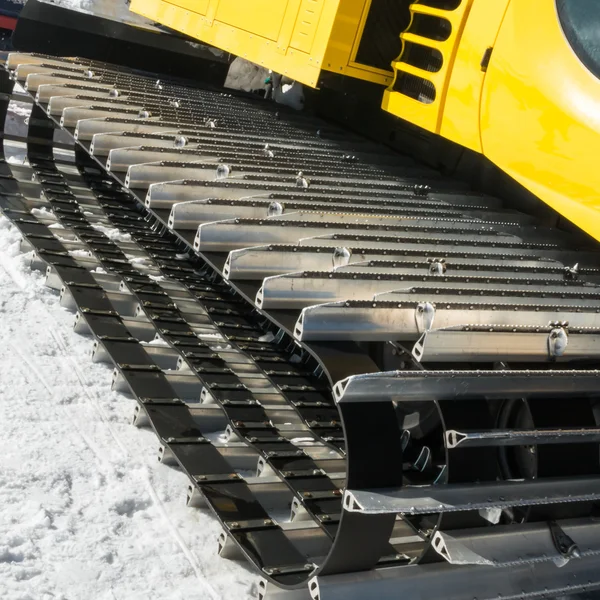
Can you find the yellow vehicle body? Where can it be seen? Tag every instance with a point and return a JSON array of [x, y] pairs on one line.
[[540, 114], [298, 38], [534, 111], [449, 80], [495, 76]]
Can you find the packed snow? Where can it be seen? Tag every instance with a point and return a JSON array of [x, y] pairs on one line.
[[111, 9], [86, 510], [247, 76]]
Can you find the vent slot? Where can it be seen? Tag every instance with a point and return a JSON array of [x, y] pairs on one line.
[[422, 71], [415, 87], [433, 28], [380, 42], [423, 57], [440, 4], [427, 56]]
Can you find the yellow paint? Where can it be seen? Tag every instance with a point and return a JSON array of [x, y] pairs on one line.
[[305, 28], [460, 121], [297, 38], [540, 114], [199, 6], [265, 20], [427, 115]]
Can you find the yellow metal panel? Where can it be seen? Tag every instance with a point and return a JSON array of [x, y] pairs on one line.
[[285, 34], [297, 38], [460, 119], [427, 114], [259, 49], [417, 39], [409, 109], [198, 6], [424, 9], [344, 41], [306, 25], [343, 34], [265, 19], [540, 119]]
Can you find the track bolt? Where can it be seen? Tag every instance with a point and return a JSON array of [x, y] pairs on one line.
[[301, 181], [275, 209], [180, 141], [223, 171]]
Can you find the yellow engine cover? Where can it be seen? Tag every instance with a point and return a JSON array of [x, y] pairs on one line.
[[501, 78], [297, 38], [438, 77], [540, 113]]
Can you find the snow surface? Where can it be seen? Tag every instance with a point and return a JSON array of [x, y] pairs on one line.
[[111, 9], [247, 76], [86, 510]]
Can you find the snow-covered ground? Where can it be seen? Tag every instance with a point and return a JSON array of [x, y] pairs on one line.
[[86, 510], [111, 9]]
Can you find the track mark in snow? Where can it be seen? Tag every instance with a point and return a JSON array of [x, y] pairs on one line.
[[177, 537], [86, 511]]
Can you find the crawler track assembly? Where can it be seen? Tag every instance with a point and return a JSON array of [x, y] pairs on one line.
[[380, 382]]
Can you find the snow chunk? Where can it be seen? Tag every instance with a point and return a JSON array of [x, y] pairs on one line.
[[21, 109], [136, 260], [112, 233], [268, 337], [80, 253], [303, 440], [158, 341], [211, 336], [42, 212], [216, 436]]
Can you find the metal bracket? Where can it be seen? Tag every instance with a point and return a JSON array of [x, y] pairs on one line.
[[289, 570], [275, 209], [341, 257], [217, 478], [424, 315], [563, 543], [251, 525], [558, 339], [423, 461], [437, 266], [572, 273]]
